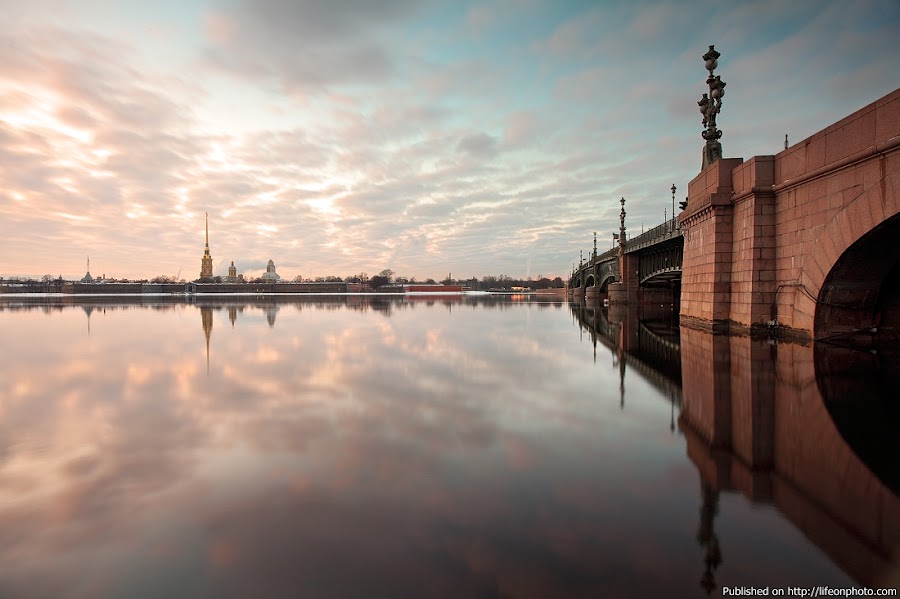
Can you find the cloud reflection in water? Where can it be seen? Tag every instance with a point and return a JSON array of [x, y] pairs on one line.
[[411, 450]]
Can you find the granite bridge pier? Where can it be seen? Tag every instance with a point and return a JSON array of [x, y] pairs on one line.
[[802, 243]]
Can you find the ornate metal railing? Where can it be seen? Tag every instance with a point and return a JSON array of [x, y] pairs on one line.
[[667, 230], [611, 253]]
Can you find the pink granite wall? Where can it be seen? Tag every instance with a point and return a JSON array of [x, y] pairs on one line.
[[781, 222]]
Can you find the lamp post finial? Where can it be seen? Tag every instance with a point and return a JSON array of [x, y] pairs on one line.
[[710, 105]]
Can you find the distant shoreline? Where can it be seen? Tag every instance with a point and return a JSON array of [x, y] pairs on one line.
[[68, 289]]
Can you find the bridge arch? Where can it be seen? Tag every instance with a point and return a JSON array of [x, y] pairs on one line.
[[861, 290], [850, 272], [590, 281], [605, 281]]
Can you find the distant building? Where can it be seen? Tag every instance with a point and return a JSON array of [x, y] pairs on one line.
[[270, 274], [233, 277], [87, 278], [206, 261]]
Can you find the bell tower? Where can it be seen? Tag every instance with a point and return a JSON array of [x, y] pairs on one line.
[[206, 261]]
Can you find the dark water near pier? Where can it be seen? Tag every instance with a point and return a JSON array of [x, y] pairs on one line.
[[382, 447]]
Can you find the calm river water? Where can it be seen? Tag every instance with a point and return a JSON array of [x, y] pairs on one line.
[[382, 447]]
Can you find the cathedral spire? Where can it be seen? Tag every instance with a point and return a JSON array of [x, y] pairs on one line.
[[87, 278], [206, 261]]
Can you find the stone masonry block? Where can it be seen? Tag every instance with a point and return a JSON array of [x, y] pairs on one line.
[[791, 163], [836, 200], [816, 190], [762, 171], [876, 208], [862, 218], [741, 179], [791, 224], [787, 200], [887, 117], [823, 263], [813, 272], [845, 230], [815, 152], [827, 245], [819, 218], [850, 136]]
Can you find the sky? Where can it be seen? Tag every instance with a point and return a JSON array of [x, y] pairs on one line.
[[432, 138]]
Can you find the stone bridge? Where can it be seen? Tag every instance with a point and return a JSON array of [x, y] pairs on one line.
[[804, 240], [592, 278], [654, 255], [659, 254], [801, 243]]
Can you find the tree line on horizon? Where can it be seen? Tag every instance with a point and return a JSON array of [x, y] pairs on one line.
[[486, 283], [388, 277]]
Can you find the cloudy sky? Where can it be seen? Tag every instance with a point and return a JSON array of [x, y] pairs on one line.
[[342, 136]]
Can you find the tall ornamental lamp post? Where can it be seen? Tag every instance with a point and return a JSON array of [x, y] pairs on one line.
[[673, 206], [621, 252], [710, 105]]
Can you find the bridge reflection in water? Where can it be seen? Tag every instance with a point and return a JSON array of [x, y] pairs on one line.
[[812, 430]]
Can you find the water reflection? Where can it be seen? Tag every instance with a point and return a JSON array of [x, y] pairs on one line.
[[648, 345], [235, 304], [860, 392], [813, 432], [382, 447], [330, 455]]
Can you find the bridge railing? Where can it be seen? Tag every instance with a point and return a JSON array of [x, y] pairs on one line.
[[666, 230], [605, 256], [611, 253]]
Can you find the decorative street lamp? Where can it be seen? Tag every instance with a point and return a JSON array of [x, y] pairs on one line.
[[673, 199], [595, 244], [673, 207], [710, 105]]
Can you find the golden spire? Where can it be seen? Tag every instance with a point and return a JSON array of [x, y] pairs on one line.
[[206, 261]]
